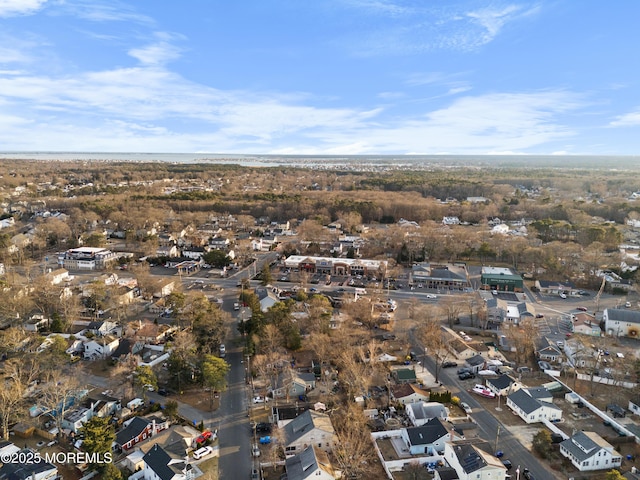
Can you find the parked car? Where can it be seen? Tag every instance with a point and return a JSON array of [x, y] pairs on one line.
[[544, 365], [236, 306], [201, 452], [255, 450], [163, 392], [507, 463], [265, 440], [263, 427], [260, 399], [465, 406], [466, 375], [431, 295], [539, 315], [255, 475], [582, 309], [449, 364], [528, 475], [463, 370], [563, 295]]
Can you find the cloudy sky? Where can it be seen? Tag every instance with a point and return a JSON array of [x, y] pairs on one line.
[[320, 77]]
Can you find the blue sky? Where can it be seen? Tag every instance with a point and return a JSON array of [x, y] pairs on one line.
[[320, 77]]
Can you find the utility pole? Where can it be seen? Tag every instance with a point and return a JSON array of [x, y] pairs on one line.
[[497, 435]]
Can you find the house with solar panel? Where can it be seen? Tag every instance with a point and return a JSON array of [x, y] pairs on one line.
[[472, 460], [589, 451]]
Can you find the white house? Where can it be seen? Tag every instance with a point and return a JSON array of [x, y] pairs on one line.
[[100, 347], [74, 419], [420, 413], [622, 322], [309, 428], [589, 451], [160, 465], [428, 439], [532, 410], [503, 385], [408, 393], [309, 463], [472, 461]]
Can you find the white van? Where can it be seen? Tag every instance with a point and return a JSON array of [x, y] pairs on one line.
[[202, 452]]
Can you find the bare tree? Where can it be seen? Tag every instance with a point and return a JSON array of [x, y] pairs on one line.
[[434, 340], [58, 394], [451, 308], [353, 451]]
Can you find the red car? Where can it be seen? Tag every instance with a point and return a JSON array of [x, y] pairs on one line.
[[204, 436]]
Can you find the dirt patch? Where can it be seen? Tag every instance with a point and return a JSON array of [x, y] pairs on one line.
[[198, 399]]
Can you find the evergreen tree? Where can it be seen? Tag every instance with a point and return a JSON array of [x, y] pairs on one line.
[[99, 435]]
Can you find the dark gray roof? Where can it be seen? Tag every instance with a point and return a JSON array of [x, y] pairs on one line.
[[446, 473], [302, 465], [539, 392], [476, 360], [527, 403], [299, 426], [580, 446], [430, 432], [469, 458], [25, 471], [502, 382], [158, 461], [135, 428], [620, 315]]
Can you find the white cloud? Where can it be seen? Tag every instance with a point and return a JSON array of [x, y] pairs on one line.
[[103, 11], [630, 119], [156, 53], [11, 8]]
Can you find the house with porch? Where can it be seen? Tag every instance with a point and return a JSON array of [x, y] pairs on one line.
[[588, 451], [532, 410], [420, 413], [138, 429], [309, 428]]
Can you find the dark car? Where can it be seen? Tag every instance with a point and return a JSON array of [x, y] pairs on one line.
[[163, 392], [507, 464], [466, 375], [528, 475], [255, 475], [263, 427], [449, 364], [463, 370], [556, 438]]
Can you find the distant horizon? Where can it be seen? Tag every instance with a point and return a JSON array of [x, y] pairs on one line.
[[348, 162]]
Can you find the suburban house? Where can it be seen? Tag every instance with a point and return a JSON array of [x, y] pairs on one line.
[[100, 347], [57, 276], [532, 410], [194, 253], [75, 419], [422, 412], [428, 439], [34, 469], [622, 322], [127, 348], [160, 465], [310, 428], [586, 324], [549, 352], [589, 451], [309, 463], [503, 385], [300, 384], [472, 460], [540, 393], [169, 251], [138, 429], [405, 375], [102, 327], [514, 311], [407, 393], [165, 288], [476, 363], [634, 405]]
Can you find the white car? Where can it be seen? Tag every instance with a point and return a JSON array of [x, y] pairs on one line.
[[483, 391], [431, 295], [563, 295], [202, 452], [236, 306], [466, 407], [255, 450], [259, 399]]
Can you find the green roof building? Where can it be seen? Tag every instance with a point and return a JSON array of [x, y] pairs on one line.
[[501, 279]]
